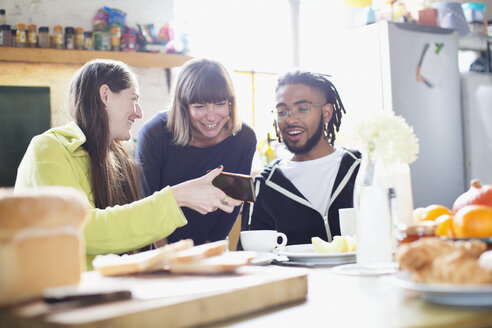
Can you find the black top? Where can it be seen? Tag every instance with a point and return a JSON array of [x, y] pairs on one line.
[[166, 164]]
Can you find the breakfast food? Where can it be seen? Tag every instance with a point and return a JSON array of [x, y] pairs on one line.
[[429, 213], [153, 260], [476, 195], [473, 221], [444, 261], [179, 257], [226, 262], [339, 244], [41, 243]]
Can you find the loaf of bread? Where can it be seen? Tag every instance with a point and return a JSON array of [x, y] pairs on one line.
[[41, 243]]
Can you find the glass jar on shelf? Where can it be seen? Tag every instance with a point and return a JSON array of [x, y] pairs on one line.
[[58, 41], [32, 36], [44, 37], [5, 36], [69, 37], [79, 38], [115, 38], [20, 35], [88, 42]]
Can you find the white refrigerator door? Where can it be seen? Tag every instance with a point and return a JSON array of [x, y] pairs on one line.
[[380, 73], [476, 97]]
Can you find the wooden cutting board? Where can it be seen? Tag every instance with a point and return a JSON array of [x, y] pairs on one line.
[[165, 300]]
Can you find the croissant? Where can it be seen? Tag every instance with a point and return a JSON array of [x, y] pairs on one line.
[[436, 260]]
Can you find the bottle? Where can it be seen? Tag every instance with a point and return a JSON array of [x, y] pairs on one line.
[[115, 38], [32, 36], [58, 42], [3, 19], [20, 35], [88, 44], [79, 38], [44, 37], [5, 36], [69, 37]]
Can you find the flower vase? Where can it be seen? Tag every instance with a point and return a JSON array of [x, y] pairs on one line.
[[373, 198]]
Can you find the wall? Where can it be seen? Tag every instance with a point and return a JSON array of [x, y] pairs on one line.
[[153, 82]]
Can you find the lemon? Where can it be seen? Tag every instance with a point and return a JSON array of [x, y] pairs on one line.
[[338, 245], [351, 242]]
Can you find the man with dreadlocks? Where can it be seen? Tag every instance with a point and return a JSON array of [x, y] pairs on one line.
[[301, 196]]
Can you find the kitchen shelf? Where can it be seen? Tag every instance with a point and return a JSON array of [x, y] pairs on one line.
[[474, 41], [63, 56]]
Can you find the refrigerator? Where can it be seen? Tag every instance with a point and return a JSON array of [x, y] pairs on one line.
[[411, 70], [476, 99]]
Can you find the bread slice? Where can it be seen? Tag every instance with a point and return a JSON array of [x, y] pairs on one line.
[[41, 241], [148, 261], [201, 252], [226, 262]]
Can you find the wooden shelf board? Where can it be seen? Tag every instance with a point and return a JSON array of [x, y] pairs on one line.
[[63, 56]]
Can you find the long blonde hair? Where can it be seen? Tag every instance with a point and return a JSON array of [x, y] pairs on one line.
[[200, 81]]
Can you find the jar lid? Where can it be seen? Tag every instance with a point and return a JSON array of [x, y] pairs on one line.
[[69, 29], [31, 27], [115, 30], [2, 11], [5, 27], [58, 28], [421, 229], [79, 30], [44, 29], [21, 26], [88, 34]]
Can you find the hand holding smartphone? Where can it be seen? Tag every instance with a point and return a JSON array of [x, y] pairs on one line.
[[237, 186]]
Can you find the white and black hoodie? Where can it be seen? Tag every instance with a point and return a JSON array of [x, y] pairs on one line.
[[280, 206]]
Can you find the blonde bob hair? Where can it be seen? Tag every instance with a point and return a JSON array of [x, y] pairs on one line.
[[201, 81]]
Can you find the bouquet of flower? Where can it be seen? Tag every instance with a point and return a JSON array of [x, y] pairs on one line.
[[385, 136]]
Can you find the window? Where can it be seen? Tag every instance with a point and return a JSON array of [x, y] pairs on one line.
[[258, 39]]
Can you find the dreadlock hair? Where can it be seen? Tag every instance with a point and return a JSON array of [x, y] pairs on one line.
[[320, 82]]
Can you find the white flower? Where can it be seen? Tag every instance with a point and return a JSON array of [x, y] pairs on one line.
[[386, 137]]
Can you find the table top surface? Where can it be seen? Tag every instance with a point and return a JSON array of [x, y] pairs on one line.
[[365, 301], [332, 298]]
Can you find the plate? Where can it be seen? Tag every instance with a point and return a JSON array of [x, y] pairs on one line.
[[447, 294], [306, 253], [263, 258]]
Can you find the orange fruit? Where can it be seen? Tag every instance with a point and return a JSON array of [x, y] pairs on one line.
[[445, 226], [432, 212], [473, 221]]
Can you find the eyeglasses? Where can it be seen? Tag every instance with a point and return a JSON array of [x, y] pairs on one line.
[[300, 111]]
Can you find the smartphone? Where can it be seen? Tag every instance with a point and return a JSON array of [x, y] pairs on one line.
[[238, 186]]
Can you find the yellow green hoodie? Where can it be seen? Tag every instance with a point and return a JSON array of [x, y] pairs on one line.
[[56, 157]]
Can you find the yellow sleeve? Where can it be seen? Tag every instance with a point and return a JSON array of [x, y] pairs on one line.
[[113, 229]]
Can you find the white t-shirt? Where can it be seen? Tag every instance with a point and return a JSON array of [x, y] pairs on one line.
[[314, 178]]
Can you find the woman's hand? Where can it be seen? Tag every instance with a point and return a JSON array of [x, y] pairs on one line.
[[202, 196]]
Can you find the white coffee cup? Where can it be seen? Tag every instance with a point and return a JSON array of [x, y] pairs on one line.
[[262, 240], [347, 221]]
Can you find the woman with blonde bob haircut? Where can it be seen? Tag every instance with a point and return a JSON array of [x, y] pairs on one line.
[[201, 80], [200, 132], [87, 154]]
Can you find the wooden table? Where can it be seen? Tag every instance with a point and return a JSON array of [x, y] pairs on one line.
[[337, 300], [271, 296]]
